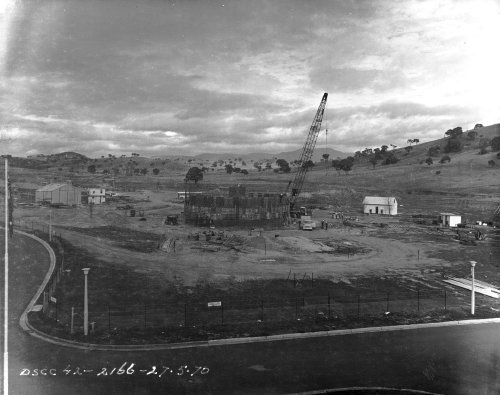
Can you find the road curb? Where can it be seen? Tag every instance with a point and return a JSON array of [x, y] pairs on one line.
[[23, 320], [29, 329]]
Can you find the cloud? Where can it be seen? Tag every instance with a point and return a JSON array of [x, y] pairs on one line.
[[193, 76]]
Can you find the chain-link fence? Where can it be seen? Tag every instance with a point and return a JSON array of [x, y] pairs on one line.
[[106, 318]]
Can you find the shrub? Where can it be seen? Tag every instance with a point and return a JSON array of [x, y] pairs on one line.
[[429, 161], [495, 144], [444, 159], [482, 151], [491, 163], [433, 151]]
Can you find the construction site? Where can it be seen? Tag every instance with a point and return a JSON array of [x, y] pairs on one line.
[[272, 247]]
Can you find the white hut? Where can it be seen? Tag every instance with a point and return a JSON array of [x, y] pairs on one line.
[[450, 219], [380, 205]]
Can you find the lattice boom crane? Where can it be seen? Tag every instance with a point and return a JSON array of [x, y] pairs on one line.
[[307, 153]]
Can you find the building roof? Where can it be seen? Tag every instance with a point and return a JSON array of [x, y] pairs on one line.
[[50, 187], [379, 200], [450, 214]]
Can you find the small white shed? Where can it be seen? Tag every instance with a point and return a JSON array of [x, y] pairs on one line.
[[450, 219], [380, 205]]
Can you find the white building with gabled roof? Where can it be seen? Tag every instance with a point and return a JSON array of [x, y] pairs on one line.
[[64, 194], [380, 205]]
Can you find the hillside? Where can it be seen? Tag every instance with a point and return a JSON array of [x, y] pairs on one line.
[[259, 156]]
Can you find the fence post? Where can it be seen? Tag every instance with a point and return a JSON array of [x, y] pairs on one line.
[[328, 306], [262, 310], [72, 330], [387, 308], [445, 299], [359, 302], [222, 312], [45, 301]]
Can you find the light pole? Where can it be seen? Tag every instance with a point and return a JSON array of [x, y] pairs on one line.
[[473, 296], [86, 305], [6, 284]]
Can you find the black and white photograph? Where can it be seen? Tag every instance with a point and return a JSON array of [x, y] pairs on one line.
[[250, 197]]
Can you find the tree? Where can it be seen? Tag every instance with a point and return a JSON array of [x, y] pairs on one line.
[[384, 148], [346, 164], [336, 165], [283, 165], [471, 135], [308, 164], [454, 132], [325, 157], [244, 171], [444, 159], [429, 161], [194, 174], [478, 125], [495, 144], [408, 149], [156, 171], [374, 162], [229, 169], [91, 169], [144, 171], [453, 145], [391, 159]]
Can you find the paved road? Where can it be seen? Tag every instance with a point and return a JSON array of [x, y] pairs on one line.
[[449, 360]]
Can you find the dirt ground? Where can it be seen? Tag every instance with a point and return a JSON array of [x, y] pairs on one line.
[[372, 246]]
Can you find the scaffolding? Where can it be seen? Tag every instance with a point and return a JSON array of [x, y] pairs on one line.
[[253, 210]]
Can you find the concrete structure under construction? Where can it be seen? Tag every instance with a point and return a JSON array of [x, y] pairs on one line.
[[237, 208]]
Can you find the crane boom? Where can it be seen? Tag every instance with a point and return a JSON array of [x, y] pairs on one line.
[[307, 152]]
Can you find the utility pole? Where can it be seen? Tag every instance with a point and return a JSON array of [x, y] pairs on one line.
[[6, 284], [86, 304]]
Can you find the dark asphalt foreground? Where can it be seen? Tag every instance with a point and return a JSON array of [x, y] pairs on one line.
[[447, 360]]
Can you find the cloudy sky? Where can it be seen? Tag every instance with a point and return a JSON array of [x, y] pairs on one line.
[[185, 77]]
